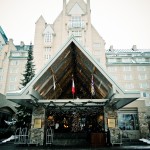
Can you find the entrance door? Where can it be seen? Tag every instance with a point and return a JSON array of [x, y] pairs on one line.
[[75, 125], [75, 119]]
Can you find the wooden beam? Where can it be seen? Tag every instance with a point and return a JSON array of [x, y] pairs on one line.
[[44, 84]]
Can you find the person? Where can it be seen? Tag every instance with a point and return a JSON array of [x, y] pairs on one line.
[[108, 137], [57, 125]]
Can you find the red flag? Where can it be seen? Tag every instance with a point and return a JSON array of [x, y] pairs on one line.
[[73, 86], [54, 84]]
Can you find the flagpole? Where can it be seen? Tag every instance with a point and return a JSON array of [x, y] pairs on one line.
[[73, 87], [55, 94], [92, 87], [54, 85]]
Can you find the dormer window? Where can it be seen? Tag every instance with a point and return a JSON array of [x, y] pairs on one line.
[[48, 37]]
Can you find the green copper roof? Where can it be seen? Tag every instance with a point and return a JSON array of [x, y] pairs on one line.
[[3, 35]]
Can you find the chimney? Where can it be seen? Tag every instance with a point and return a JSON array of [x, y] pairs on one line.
[[111, 48], [11, 45], [10, 41], [134, 48], [21, 44]]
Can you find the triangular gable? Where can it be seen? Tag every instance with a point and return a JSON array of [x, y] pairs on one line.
[[76, 10], [61, 65], [76, 4], [41, 19], [48, 29]]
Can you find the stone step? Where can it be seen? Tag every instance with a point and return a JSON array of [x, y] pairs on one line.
[[128, 142], [70, 135]]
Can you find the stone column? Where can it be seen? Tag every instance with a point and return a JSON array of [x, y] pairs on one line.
[[143, 122], [36, 134], [110, 114]]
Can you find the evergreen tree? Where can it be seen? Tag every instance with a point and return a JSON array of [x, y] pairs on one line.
[[23, 117], [29, 68], [23, 114]]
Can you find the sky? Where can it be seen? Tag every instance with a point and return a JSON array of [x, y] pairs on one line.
[[121, 23]]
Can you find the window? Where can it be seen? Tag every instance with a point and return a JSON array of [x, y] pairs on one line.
[[144, 85], [128, 77], [128, 121], [47, 49], [129, 86], [14, 62], [11, 87], [1, 71], [119, 60], [77, 33], [48, 37], [145, 94], [1, 78], [13, 70], [111, 60], [47, 56], [112, 69], [126, 68], [142, 76], [13, 78], [140, 59], [126, 60], [141, 68], [76, 21], [147, 60], [16, 54]]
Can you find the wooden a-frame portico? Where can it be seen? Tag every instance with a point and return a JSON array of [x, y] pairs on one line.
[[71, 59]]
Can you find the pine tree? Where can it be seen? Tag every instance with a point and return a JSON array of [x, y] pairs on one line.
[[23, 114], [23, 117], [29, 68]]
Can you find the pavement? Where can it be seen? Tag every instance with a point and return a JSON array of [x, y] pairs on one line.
[[12, 146], [74, 144]]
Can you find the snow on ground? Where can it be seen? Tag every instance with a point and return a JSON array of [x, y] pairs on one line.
[[9, 139], [145, 140]]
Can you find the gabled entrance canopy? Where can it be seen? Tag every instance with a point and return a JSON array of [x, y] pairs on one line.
[[72, 59]]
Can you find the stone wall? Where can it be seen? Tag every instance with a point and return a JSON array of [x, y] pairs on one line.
[[36, 133], [143, 113]]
